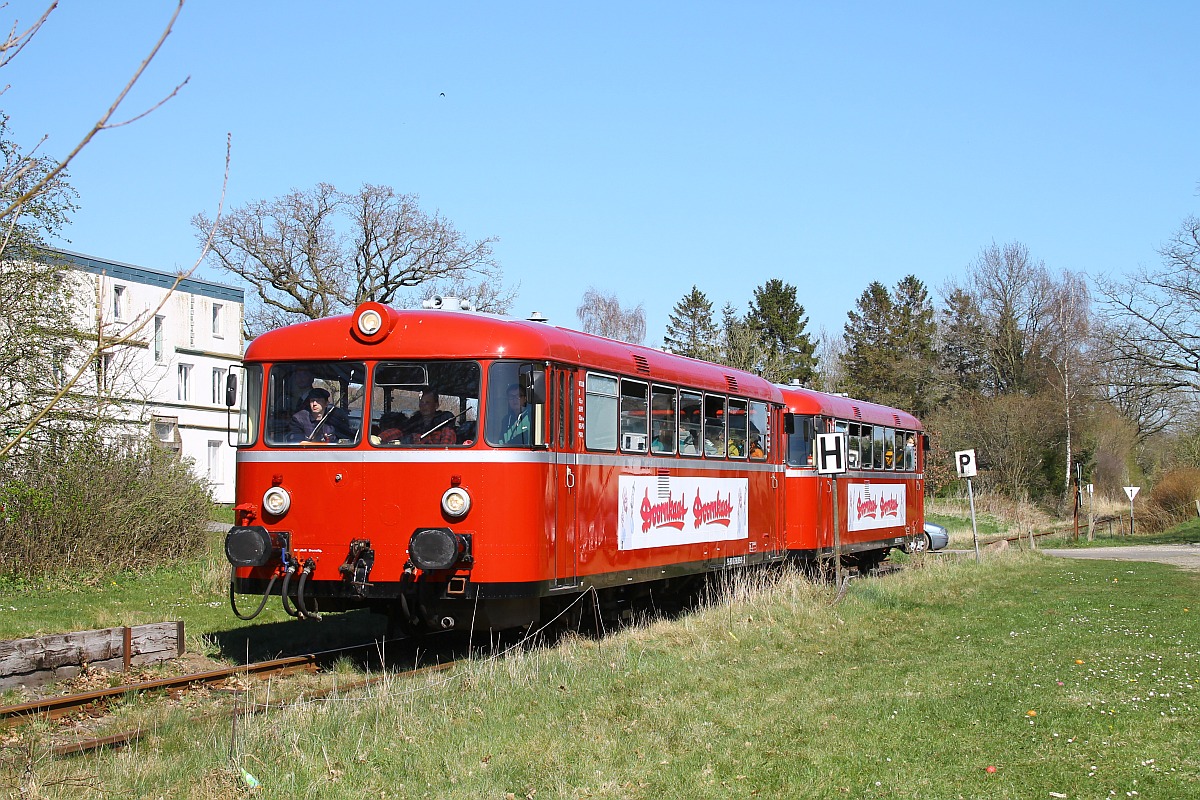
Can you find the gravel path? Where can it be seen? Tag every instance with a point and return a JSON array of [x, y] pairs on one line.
[[1186, 556]]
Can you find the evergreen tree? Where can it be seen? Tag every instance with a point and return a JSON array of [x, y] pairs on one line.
[[741, 346], [962, 346], [912, 336], [691, 330], [867, 363], [779, 320]]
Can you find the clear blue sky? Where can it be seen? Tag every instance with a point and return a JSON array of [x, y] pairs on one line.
[[643, 147]]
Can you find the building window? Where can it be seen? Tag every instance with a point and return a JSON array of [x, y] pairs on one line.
[[217, 314], [185, 375], [214, 461], [219, 385], [158, 339], [166, 433], [118, 297]]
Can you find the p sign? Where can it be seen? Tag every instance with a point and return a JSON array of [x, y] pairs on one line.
[[831, 453], [964, 463]]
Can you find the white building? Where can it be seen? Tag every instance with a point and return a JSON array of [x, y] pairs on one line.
[[171, 375]]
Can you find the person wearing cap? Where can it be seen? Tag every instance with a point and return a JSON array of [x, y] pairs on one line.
[[318, 422], [430, 425]]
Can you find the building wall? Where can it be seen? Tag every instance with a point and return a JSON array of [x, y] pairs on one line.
[[171, 375]]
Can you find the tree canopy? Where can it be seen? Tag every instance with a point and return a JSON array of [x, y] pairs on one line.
[[316, 252]]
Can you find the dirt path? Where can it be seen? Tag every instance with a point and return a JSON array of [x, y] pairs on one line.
[[1186, 556]]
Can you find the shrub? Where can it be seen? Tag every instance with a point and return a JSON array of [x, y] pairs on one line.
[[86, 504], [1173, 499]]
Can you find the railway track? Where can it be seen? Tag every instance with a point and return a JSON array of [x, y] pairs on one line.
[[65, 705]]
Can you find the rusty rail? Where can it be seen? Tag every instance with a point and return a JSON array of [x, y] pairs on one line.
[[54, 707]]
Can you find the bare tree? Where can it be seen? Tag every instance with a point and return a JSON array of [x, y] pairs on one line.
[[10, 47], [36, 318], [602, 314], [1157, 311], [317, 252], [1066, 352]]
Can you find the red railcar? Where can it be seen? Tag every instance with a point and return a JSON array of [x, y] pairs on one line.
[[459, 470], [880, 498]]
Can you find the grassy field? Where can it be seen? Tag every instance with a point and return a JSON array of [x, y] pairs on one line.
[[1071, 679]]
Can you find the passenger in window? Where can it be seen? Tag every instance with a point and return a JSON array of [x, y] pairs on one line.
[[391, 427], [516, 422], [734, 448], [430, 425], [910, 453], [664, 438], [756, 449], [319, 422]]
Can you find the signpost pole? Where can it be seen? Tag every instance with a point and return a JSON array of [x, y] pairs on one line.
[[837, 535], [1131, 491], [974, 530], [964, 465], [831, 461]]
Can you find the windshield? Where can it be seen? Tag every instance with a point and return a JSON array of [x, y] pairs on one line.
[[425, 403], [315, 403]]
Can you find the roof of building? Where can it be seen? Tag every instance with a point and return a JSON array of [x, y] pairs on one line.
[[150, 277]]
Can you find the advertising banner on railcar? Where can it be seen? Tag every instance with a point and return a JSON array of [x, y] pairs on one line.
[[663, 511], [875, 505]]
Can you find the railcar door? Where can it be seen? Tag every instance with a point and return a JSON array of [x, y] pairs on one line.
[[565, 418]]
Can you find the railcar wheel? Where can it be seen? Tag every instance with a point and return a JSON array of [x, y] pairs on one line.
[[920, 544]]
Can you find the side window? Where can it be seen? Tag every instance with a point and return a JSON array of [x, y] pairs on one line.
[[853, 444], [864, 447], [601, 412], [877, 448], [714, 425], [735, 417], [635, 423], [663, 406], [800, 443], [690, 440], [889, 449], [910, 451], [758, 439]]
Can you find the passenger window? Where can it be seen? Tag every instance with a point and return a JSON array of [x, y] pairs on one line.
[[800, 444], [910, 451], [635, 421], [600, 412], [714, 426], [690, 440], [877, 451], [853, 443], [663, 403], [758, 435], [737, 424], [864, 447]]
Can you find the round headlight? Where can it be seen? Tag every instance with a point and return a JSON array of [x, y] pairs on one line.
[[369, 322], [276, 501], [456, 502]]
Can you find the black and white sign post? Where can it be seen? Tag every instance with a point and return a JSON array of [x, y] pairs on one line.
[[1132, 492], [964, 464], [831, 461]]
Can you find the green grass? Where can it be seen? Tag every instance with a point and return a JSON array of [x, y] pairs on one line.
[[910, 687], [194, 591]]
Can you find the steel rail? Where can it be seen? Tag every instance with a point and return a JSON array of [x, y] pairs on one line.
[[129, 737], [54, 707]]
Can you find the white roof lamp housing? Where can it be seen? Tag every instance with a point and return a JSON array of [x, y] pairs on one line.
[[439, 303]]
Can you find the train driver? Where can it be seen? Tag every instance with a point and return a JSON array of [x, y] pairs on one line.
[[319, 421]]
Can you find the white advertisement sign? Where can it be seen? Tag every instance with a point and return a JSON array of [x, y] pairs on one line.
[[871, 506], [662, 511]]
